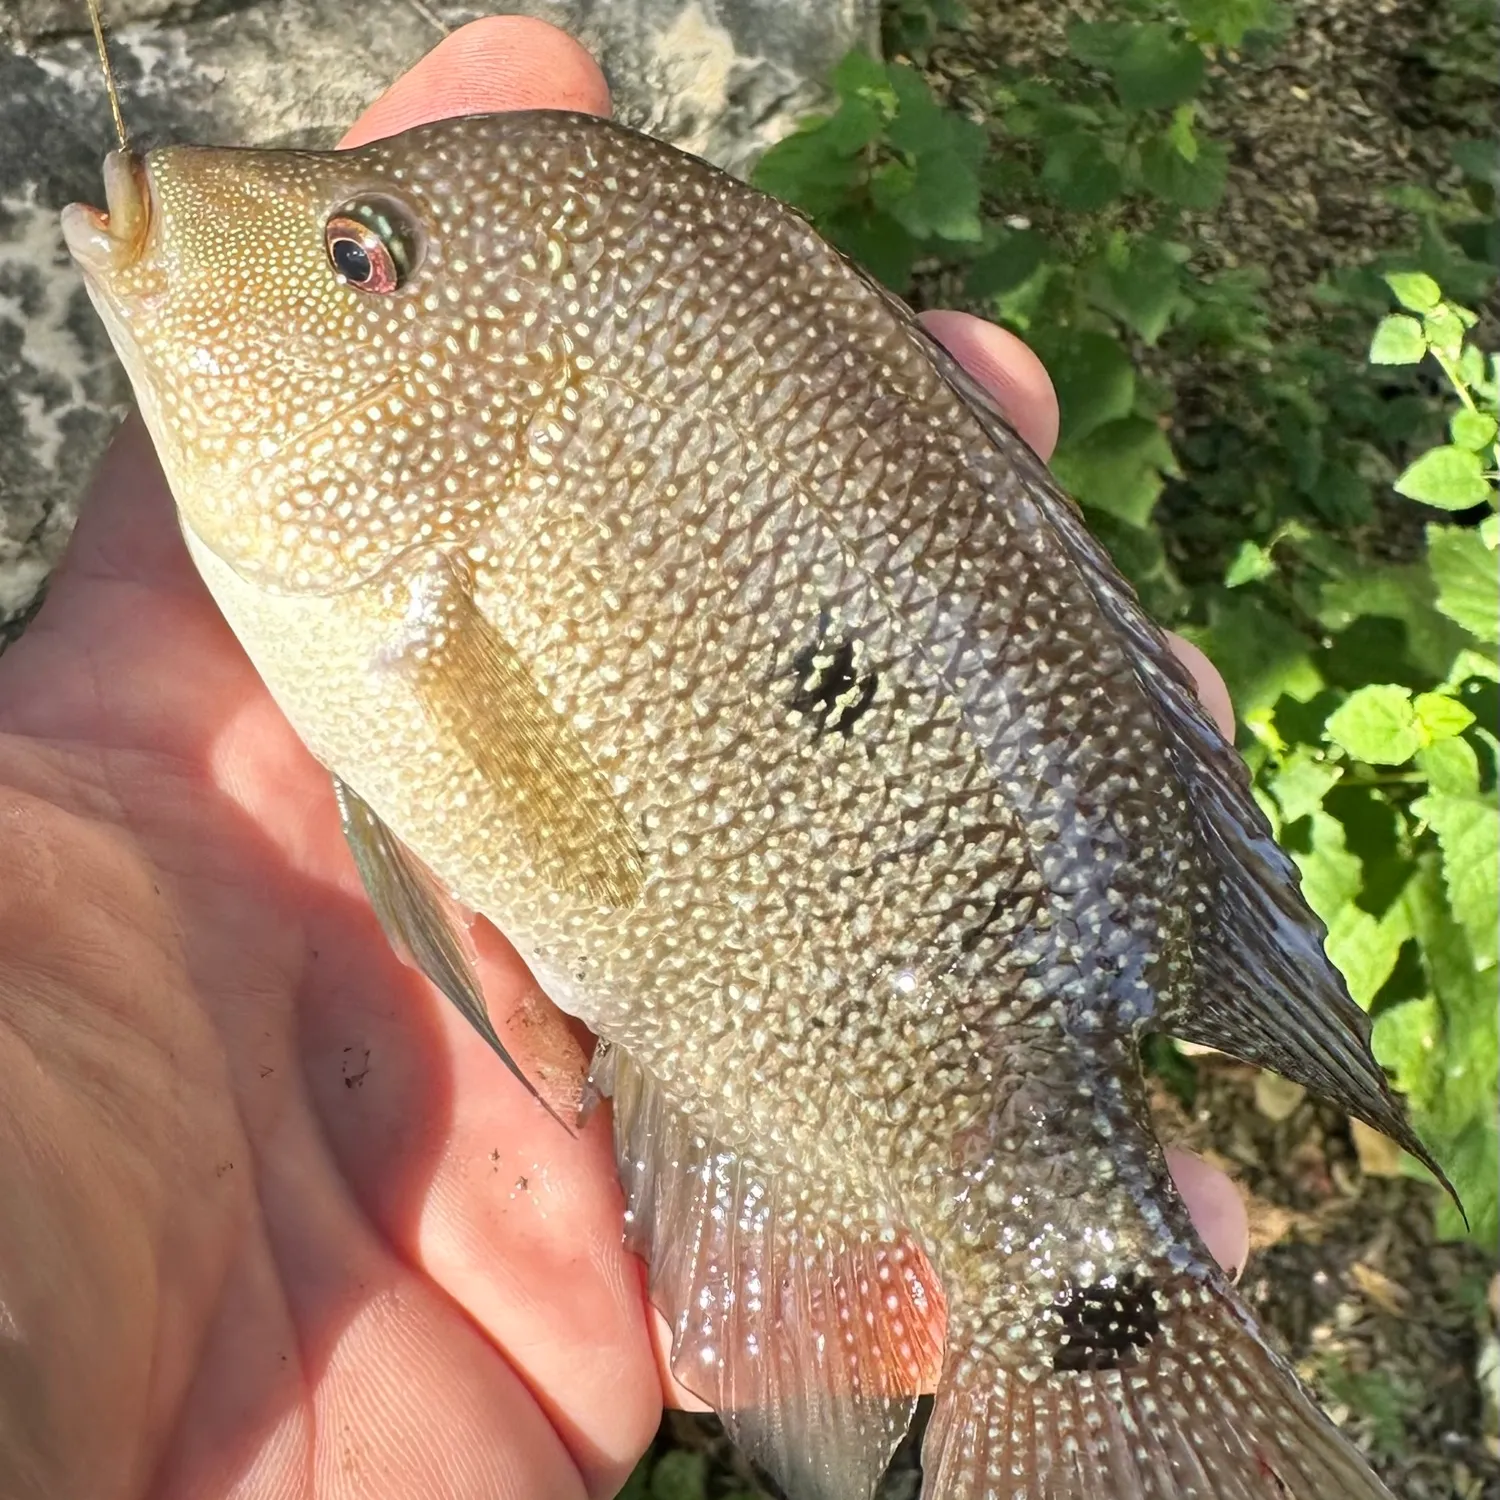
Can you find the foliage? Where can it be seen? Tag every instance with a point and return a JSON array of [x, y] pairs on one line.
[[1260, 487], [1382, 1402], [667, 1473]]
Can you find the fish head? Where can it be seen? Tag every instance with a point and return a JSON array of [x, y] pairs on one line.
[[281, 316]]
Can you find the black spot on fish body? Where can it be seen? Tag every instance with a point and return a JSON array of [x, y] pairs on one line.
[[1105, 1325], [830, 687]]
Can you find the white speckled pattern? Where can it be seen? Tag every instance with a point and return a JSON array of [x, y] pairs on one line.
[[819, 764]]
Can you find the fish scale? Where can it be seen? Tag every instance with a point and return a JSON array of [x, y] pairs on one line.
[[643, 571]]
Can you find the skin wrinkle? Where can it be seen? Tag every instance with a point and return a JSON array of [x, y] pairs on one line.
[[163, 673]]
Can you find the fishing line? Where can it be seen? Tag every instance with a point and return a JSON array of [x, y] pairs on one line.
[[109, 74]]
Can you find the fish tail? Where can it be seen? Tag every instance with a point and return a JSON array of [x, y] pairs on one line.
[[1201, 1411]]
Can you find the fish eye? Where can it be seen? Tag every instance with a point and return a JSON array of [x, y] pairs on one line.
[[372, 245]]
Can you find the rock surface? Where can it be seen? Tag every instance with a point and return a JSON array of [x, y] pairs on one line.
[[720, 77]]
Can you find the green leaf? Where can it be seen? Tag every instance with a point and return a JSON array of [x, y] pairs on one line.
[[680, 1475], [1468, 587], [1156, 70], [1474, 1168], [1414, 290], [1448, 477], [1468, 832], [1475, 159], [1118, 468], [1474, 430], [1015, 256], [1450, 766], [1260, 654], [1093, 377], [911, 25], [1440, 716], [1471, 367], [1301, 782], [1445, 1051], [943, 151], [1139, 282], [1079, 173], [1249, 565], [1331, 875], [1170, 176], [942, 200], [1398, 341], [877, 242], [1227, 22], [1467, 664], [1443, 329], [1364, 949], [804, 171], [858, 75], [1181, 133], [1341, 494], [1099, 43], [1376, 724], [1406, 593], [1405, 1039]]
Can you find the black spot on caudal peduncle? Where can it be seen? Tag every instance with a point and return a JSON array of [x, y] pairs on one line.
[[1105, 1325], [832, 686]]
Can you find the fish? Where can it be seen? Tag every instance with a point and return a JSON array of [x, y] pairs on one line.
[[653, 585]]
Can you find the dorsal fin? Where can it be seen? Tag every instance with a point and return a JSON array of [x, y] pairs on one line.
[[809, 1333], [1267, 992]]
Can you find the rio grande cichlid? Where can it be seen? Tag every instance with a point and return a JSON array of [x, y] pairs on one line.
[[652, 584]]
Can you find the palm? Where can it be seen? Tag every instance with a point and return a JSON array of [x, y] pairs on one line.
[[339, 1183], [273, 1221]]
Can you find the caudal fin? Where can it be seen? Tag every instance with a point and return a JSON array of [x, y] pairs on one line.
[[1204, 1411]]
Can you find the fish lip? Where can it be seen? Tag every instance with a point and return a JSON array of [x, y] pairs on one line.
[[113, 238]]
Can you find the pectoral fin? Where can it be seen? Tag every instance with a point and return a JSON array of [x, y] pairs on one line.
[[420, 920], [477, 688]]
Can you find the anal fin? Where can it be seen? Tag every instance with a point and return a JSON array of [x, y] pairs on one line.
[[810, 1335], [420, 921]]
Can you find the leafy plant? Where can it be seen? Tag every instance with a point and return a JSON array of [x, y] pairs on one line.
[[1248, 479], [1373, 755], [1382, 1403], [672, 1473]]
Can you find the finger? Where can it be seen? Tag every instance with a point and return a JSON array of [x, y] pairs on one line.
[[1217, 1210], [1007, 369], [1211, 690], [503, 62]]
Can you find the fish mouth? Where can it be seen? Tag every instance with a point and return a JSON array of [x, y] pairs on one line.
[[112, 239]]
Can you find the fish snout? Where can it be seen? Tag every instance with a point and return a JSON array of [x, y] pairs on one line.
[[112, 239]]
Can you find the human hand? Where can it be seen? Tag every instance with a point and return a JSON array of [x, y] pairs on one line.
[[273, 1220]]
